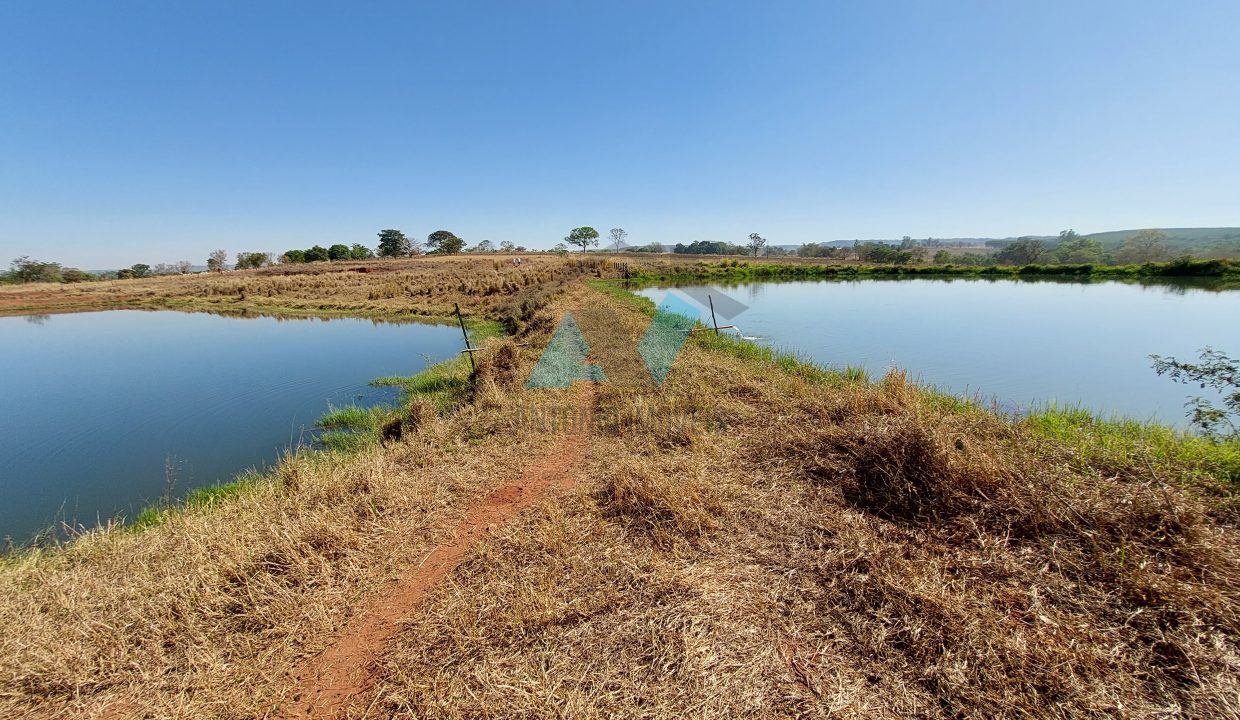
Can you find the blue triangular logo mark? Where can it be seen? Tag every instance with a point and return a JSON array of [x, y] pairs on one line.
[[564, 360], [666, 335]]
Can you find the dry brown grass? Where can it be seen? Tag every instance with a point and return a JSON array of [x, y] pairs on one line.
[[490, 286], [855, 551], [205, 615], [745, 543]]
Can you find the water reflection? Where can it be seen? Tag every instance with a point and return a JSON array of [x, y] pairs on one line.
[[1022, 342], [102, 407]]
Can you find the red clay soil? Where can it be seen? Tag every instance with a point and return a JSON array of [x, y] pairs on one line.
[[329, 684]]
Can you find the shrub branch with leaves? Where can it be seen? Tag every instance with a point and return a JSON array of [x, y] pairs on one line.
[[1214, 370]]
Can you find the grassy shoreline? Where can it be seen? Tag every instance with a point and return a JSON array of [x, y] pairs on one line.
[[245, 311], [758, 536], [347, 430], [739, 270], [344, 431], [1106, 438]]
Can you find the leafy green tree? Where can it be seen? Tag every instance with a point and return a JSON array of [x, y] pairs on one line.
[[73, 275], [360, 252], [444, 242], [318, 253], [295, 256], [755, 244], [23, 269], [942, 257], [1216, 371], [656, 247], [877, 252], [1025, 251], [560, 248], [393, 243], [1073, 248], [140, 270], [1145, 246], [972, 258], [582, 237], [708, 247], [338, 252], [217, 261], [814, 249], [485, 246], [252, 260], [506, 246], [124, 274]]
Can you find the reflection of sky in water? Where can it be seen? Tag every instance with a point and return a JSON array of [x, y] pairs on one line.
[[96, 403], [1020, 343]]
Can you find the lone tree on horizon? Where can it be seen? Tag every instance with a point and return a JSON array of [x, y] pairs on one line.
[[756, 243], [582, 237], [617, 237], [217, 261], [393, 243], [1145, 246], [1025, 251], [444, 242]]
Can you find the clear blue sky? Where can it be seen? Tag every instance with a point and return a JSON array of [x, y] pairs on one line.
[[157, 131]]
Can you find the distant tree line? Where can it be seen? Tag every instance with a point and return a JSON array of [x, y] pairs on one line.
[[1069, 248], [316, 253], [708, 247], [24, 270], [1074, 249]]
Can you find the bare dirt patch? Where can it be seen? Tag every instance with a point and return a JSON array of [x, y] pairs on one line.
[[328, 684]]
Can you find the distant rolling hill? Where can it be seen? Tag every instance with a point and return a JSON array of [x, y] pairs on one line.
[[1205, 242], [1184, 239], [1216, 242]]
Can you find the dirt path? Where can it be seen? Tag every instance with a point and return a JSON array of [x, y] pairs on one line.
[[328, 684]]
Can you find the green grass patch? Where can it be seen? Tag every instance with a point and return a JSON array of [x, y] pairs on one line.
[[446, 383], [350, 416], [352, 428], [790, 362], [347, 441], [615, 290], [213, 495], [1114, 443], [433, 380], [206, 497]]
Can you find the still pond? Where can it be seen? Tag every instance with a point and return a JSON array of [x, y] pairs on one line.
[[106, 412], [1020, 344]]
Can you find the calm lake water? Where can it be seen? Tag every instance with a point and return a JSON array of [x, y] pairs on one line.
[[95, 405], [1022, 344]]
